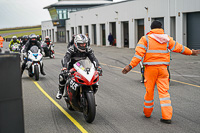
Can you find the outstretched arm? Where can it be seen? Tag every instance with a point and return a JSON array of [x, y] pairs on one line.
[[139, 54]]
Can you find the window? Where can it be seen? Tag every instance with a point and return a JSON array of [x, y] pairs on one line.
[[60, 14], [64, 14]]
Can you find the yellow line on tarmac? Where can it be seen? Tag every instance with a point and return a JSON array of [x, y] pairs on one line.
[[185, 83], [59, 53], [140, 72], [61, 109]]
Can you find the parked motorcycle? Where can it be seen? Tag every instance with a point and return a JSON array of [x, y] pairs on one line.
[[48, 50], [34, 62], [81, 86]]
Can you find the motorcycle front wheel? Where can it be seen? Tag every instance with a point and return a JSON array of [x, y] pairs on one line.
[[89, 111], [36, 72]]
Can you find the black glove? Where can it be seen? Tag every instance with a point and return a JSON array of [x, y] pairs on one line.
[[65, 72], [99, 70]]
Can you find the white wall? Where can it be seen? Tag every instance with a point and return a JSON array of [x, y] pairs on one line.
[[48, 25], [131, 10]]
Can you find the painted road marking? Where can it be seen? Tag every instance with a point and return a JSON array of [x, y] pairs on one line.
[[140, 73], [61, 109]]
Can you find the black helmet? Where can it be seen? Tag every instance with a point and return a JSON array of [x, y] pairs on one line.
[[81, 42], [33, 38], [25, 38]]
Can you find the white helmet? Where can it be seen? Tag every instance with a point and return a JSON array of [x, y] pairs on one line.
[[81, 42]]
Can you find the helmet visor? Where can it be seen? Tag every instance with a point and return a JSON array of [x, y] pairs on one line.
[[81, 46]]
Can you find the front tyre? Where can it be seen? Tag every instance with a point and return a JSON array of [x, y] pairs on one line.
[[36, 72], [89, 110]]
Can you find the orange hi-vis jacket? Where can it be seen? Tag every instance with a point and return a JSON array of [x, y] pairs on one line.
[[1, 42], [154, 47]]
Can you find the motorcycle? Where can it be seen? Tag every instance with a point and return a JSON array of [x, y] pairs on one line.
[[15, 47], [34, 62], [48, 50], [81, 87]]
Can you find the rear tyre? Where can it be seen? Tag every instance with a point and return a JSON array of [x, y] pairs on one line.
[[36, 73], [89, 110]]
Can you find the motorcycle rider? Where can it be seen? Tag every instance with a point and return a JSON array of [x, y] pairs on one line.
[[39, 38], [14, 40], [24, 40], [78, 51], [47, 40], [72, 42], [31, 42]]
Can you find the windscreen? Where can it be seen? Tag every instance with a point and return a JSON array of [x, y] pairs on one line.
[[34, 49], [84, 64]]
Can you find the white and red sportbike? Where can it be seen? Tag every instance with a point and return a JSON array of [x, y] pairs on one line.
[[81, 86]]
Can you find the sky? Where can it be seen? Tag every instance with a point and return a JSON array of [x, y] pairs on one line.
[[17, 13]]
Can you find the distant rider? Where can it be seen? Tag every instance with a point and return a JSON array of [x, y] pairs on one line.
[[47, 40], [24, 40], [13, 41], [39, 38], [78, 51], [31, 42]]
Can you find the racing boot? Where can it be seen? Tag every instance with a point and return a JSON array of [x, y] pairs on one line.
[[42, 70], [60, 92], [166, 121], [23, 67]]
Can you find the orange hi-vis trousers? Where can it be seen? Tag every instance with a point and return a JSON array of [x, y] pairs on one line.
[[157, 74], [1, 44]]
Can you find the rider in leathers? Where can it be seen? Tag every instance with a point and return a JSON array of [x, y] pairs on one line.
[[31, 42], [24, 40], [78, 51]]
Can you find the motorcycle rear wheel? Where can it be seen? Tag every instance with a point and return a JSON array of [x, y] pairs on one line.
[[36, 73], [89, 111]]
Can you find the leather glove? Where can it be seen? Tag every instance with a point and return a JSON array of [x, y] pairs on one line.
[[195, 52], [65, 71], [99, 70], [126, 69]]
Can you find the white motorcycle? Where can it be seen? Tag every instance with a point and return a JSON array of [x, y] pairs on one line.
[[34, 62], [15, 47]]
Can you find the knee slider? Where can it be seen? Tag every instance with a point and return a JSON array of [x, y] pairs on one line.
[[61, 79]]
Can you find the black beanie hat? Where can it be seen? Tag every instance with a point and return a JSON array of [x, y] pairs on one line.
[[156, 24]]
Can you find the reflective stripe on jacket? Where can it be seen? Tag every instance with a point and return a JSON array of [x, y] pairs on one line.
[[154, 47]]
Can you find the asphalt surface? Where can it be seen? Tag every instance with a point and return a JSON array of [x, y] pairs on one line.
[[119, 98]]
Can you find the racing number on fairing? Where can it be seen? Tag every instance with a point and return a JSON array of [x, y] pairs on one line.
[[73, 85]]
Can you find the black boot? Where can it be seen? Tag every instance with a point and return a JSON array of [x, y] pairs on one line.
[[42, 70], [23, 67], [166, 121], [60, 92]]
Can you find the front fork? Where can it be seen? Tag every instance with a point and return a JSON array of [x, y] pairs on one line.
[[33, 67], [83, 96]]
